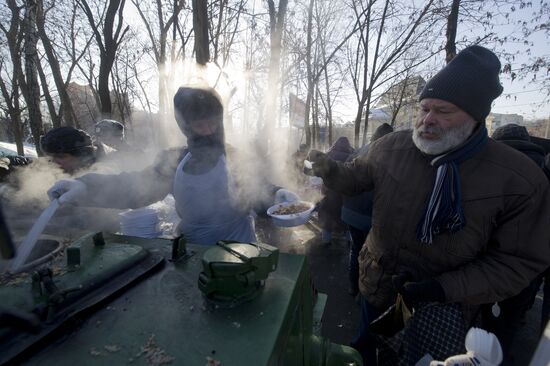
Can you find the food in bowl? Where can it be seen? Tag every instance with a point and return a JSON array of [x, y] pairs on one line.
[[288, 214], [291, 209]]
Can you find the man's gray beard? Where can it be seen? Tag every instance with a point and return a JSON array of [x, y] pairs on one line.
[[448, 140]]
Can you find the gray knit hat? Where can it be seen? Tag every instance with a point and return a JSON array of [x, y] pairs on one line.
[[109, 127], [470, 81]]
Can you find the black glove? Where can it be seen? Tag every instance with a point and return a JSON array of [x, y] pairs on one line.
[[19, 160], [321, 163], [421, 291]]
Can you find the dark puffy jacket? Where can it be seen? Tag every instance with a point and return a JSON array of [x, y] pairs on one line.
[[330, 206], [517, 137], [340, 150], [357, 210], [504, 245]]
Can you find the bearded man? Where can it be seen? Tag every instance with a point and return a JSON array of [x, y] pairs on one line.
[[458, 219]]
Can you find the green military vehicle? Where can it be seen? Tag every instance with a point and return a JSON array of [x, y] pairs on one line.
[[113, 300]]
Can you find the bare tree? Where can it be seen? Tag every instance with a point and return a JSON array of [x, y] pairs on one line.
[[327, 21], [69, 40], [54, 116], [315, 72], [370, 64], [527, 18], [224, 28], [65, 102], [108, 36], [310, 79], [31, 86], [452, 25], [200, 27], [22, 38], [14, 40], [158, 27], [13, 109], [276, 27]]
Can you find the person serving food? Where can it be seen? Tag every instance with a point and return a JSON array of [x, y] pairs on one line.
[[215, 191]]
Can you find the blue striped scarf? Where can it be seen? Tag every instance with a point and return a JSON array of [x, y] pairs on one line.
[[443, 212]]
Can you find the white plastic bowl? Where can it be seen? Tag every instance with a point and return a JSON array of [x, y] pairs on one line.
[[296, 219]]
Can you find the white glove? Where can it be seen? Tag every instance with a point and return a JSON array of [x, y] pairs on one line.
[[284, 195], [68, 191]]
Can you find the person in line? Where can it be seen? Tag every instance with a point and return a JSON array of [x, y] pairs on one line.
[[212, 184], [513, 309], [75, 153], [70, 148], [330, 206], [296, 166], [111, 133], [357, 213], [459, 220]]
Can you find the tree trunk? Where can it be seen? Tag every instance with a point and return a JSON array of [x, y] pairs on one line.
[[54, 116], [32, 95], [310, 83], [103, 89], [329, 106], [14, 113], [200, 27], [277, 24], [318, 142], [452, 24], [357, 124]]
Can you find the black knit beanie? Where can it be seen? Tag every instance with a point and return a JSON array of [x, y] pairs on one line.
[[470, 81], [511, 131], [67, 140], [380, 131]]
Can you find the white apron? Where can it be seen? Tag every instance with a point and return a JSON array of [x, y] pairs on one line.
[[204, 205]]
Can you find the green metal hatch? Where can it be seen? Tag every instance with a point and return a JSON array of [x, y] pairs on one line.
[[235, 272]]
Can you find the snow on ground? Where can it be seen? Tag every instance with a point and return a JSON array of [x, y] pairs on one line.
[[9, 149]]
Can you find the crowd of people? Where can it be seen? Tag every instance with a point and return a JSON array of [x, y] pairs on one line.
[[447, 223]]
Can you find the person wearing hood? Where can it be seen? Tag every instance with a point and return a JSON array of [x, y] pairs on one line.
[[459, 220], [329, 208], [213, 190]]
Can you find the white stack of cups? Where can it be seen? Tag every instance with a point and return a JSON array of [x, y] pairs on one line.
[[142, 222]]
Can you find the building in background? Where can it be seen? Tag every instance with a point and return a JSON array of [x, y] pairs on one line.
[[400, 102], [86, 106]]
